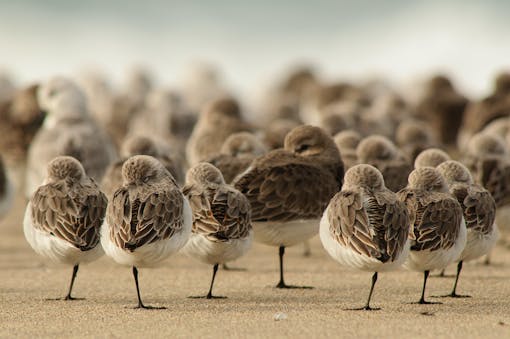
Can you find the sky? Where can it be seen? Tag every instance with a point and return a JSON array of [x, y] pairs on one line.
[[255, 41]]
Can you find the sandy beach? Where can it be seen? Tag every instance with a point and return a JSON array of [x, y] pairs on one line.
[[252, 303]]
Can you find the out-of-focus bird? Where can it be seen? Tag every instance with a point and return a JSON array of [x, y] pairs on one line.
[[6, 190], [347, 141], [68, 129], [413, 136], [381, 153], [218, 121], [431, 157], [236, 154], [443, 107]]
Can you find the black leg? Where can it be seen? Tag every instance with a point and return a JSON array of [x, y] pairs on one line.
[[454, 294], [68, 296], [75, 272], [282, 283], [140, 303], [209, 294], [422, 299], [367, 306]]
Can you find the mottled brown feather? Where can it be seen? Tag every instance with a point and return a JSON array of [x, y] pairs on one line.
[[72, 213], [371, 224], [283, 187], [478, 206], [141, 215], [435, 218], [220, 212]]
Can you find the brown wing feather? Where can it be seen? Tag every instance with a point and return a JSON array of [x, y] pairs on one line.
[[139, 216], [74, 215], [435, 219], [478, 206], [204, 221], [494, 174], [287, 191], [377, 228], [232, 210]]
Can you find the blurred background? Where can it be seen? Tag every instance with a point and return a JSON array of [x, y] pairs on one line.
[[253, 42]]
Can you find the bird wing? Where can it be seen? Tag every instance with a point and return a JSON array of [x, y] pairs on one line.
[[372, 225], [478, 206], [232, 209], [140, 216], [287, 191], [437, 222], [75, 217]]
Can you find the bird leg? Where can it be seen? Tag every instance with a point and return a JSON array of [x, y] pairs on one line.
[[282, 283]]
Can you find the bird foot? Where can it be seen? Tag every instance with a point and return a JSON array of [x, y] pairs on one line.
[[364, 308], [148, 307], [285, 286], [424, 302], [66, 298], [207, 297], [451, 295]]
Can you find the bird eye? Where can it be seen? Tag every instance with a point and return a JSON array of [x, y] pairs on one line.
[[146, 179], [302, 148]]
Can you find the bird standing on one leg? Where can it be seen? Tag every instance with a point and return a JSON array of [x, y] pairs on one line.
[[64, 216], [365, 227], [479, 210], [438, 230], [221, 219], [289, 189], [148, 218]]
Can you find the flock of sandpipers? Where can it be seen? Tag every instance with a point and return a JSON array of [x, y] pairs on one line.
[[142, 173]]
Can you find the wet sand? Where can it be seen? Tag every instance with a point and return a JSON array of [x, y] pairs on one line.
[[249, 311]]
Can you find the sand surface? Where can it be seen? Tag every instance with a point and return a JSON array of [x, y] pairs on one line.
[[249, 311]]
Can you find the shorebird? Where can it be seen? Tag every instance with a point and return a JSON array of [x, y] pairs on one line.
[[479, 210], [236, 154], [413, 137], [221, 219], [147, 220], [68, 129], [486, 156], [479, 114], [443, 107], [290, 188], [365, 226], [21, 118], [6, 190], [381, 153], [64, 216], [438, 230], [431, 157], [219, 120], [347, 141]]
